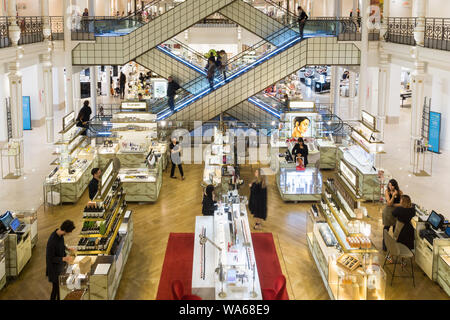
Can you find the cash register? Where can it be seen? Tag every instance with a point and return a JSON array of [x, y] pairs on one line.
[[435, 222], [9, 223]]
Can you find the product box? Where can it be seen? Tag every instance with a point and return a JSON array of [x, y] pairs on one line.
[[85, 265]]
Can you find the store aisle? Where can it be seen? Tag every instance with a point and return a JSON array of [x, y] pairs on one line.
[[175, 211]]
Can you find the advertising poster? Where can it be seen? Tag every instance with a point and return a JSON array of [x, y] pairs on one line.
[[26, 105], [434, 134]]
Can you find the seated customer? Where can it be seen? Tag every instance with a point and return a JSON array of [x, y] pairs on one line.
[[208, 205], [404, 213]]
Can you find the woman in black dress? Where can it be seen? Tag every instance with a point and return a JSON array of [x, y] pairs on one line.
[[258, 199], [208, 205], [404, 229], [300, 150]]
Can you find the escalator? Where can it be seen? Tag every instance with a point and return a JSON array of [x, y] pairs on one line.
[[142, 37], [293, 54]]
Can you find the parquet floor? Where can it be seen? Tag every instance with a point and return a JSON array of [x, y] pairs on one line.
[[178, 205]]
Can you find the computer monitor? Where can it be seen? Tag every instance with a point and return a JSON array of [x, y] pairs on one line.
[[15, 224], [434, 220], [6, 219]]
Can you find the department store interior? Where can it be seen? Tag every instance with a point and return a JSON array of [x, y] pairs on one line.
[[224, 150]]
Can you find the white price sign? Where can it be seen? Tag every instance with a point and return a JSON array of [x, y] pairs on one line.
[[134, 106]]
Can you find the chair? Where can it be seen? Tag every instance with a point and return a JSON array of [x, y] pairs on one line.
[[397, 250], [178, 292], [277, 294]]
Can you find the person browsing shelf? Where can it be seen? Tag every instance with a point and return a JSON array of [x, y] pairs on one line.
[[93, 184], [208, 204], [56, 256], [258, 199], [84, 116]]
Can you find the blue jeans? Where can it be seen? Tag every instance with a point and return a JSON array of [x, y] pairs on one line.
[[171, 102], [211, 83]]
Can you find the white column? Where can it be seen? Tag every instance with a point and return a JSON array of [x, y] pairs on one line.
[[393, 94], [68, 56], [335, 90], [418, 98], [108, 70], [363, 74], [419, 8], [386, 14], [47, 98], [76, 91], [93, 75], [91, 7], [15, 91], [352, 100], [383, 90], [46, 19]]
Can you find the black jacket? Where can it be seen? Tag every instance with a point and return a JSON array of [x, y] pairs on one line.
[[258, 201], [406, 235], [303, 17], [208, 206], [84, 115], [56, 250], [172, 88], [122, 79], [93, 188], [303, 152]]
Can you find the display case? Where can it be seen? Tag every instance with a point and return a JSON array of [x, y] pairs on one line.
[[327, 149], [105, 270], [18, 252], [3, 238], [339, 240], [30, 217], [142, 184], [299, 185], [443, 272]]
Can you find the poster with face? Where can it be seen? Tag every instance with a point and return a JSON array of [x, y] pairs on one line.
[[302, 124]]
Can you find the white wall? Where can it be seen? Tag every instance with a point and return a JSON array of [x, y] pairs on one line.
[[29, 8], [32, 86], [401, 8], [393, 107], [438, 9]]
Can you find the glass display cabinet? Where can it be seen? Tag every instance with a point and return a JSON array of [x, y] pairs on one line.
[[3, 238], [296, 185], [443, 270]]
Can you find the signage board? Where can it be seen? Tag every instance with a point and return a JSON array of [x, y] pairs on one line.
[[68, 120], [434, 132], [347, 173], [26, 108]]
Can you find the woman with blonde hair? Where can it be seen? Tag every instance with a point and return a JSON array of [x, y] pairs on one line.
[[258, 198]]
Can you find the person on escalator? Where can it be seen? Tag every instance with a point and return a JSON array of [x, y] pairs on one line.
[[211, 71], [171, 92], [302, 17]]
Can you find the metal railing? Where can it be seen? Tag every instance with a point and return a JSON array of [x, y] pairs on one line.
[[31, 29], [211, 23], [57, 28], [4, 32], [437, 33], [401, 30]]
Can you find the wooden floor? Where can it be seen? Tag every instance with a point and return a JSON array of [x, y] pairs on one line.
[[178, 205]]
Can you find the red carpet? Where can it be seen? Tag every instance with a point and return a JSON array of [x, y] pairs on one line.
[[178, 262]]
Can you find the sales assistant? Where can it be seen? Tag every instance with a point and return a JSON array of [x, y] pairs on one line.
[[93, 184]]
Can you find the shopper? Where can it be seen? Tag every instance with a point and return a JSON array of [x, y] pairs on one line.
[[93, 184], [122, 82], [175, 156], [172, 88], [85, 20], [224, 63], [141, 78], [300, 152], [56, 256], [302, 17], [84, 116], [404, 231], [208, 205], [211, 71], [258, 199], [392, 195]]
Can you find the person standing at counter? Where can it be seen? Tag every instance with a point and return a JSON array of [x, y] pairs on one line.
[[56, 257], [84, 116], [392, 196], [122, 82], [93, 185], [175, 156], [301, 150], [208, 204], [258, 199]]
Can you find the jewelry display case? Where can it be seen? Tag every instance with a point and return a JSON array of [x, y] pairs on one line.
[[296, 185]]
